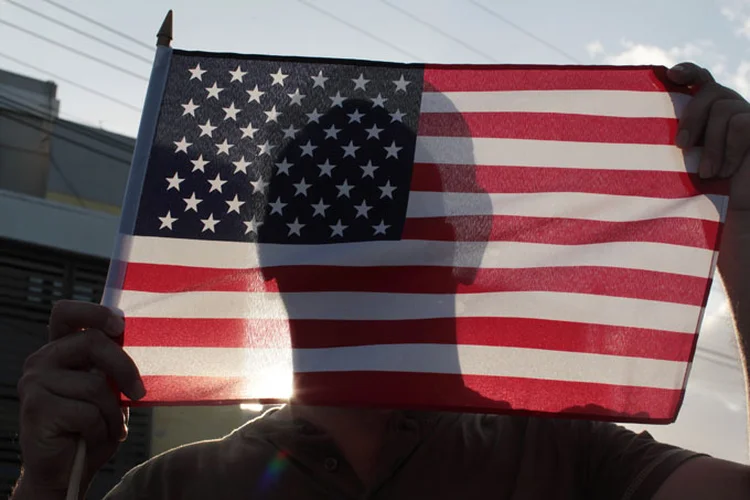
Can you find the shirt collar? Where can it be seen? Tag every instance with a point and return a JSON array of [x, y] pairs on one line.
[[307, 444]]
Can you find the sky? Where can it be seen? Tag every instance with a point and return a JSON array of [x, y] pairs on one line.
[[713, 33]]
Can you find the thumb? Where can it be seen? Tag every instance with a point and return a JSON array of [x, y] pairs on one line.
[[689, 74]]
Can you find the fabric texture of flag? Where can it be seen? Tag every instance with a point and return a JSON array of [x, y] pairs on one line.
[[472, 238]]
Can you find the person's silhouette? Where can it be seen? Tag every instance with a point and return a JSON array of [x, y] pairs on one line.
[[414, 360]]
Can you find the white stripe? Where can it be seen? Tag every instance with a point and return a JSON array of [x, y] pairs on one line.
[[623, 103], [494, 254], [557, 306], [554, 154], [261, 364], [589, 206]]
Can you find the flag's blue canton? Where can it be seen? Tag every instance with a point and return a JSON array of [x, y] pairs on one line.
[[282, 151]]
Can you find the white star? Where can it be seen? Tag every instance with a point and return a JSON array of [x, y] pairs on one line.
[[373, 132], [213, 91], [248, 131], [314, 116], [381, 228], [290, 132], [182, 145], [401, 83], [197, 72], [283, 167], [277, 207], [359, 83], [338, 229], [307, 149], [368, 170], [355, 117], [265, 148], [216, 184], [237, 75], [397, 116], [278, 77], [332, 132], [337, 100], [209, 224], [234, 204], [231, 112], [378, 101], [387, 190], [296, 98], [167, 221], [252, 225], [295, 227], [320, 208], [392, 150], [174, 182], [190, 108], [224, 147], [325, 168], [301, 187], [260, 185], [320, 80], [192, 203], [362, 209], [344, 189], [254, 95], [350, 150], [241, 166], [272, 115], [206, 129], [199, 163]]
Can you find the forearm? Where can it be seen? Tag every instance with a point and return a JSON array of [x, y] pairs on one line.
[[734, 266]]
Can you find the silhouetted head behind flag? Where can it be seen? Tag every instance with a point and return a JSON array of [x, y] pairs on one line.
[[371, 258]]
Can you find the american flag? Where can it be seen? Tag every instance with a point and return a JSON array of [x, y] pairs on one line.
[[474, 238]]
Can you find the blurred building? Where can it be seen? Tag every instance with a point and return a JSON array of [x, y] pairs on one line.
[[61, 186]]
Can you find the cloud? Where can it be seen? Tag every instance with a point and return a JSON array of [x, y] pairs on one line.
[[595, 48], [737, 12], [638, 53], [702, 52], [744, 30], [730, 13]]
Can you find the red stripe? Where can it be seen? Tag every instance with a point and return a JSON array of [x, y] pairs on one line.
[[476, 393], [507, 332], [462, 78], [427, 391], [560, 231], [611, 281], [550, 127], [171, 390], [510, 179]]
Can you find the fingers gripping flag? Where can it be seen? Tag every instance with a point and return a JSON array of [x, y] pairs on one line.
[[476, 238]]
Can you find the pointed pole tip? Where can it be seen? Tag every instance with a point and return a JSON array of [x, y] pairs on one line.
[[164, 36]]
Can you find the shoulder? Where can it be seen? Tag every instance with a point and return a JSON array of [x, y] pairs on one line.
[[216, 463], [596, 458]]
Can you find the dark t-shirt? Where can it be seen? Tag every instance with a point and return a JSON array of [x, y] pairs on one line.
[[425, 455]]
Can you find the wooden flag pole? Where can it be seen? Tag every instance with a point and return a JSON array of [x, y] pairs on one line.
[[163, 39], [164, 36]]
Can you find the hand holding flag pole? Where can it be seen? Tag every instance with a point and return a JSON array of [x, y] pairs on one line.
[[163, 41]]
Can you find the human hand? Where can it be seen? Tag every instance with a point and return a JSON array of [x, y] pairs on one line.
[[65, 394], [718, 118]]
